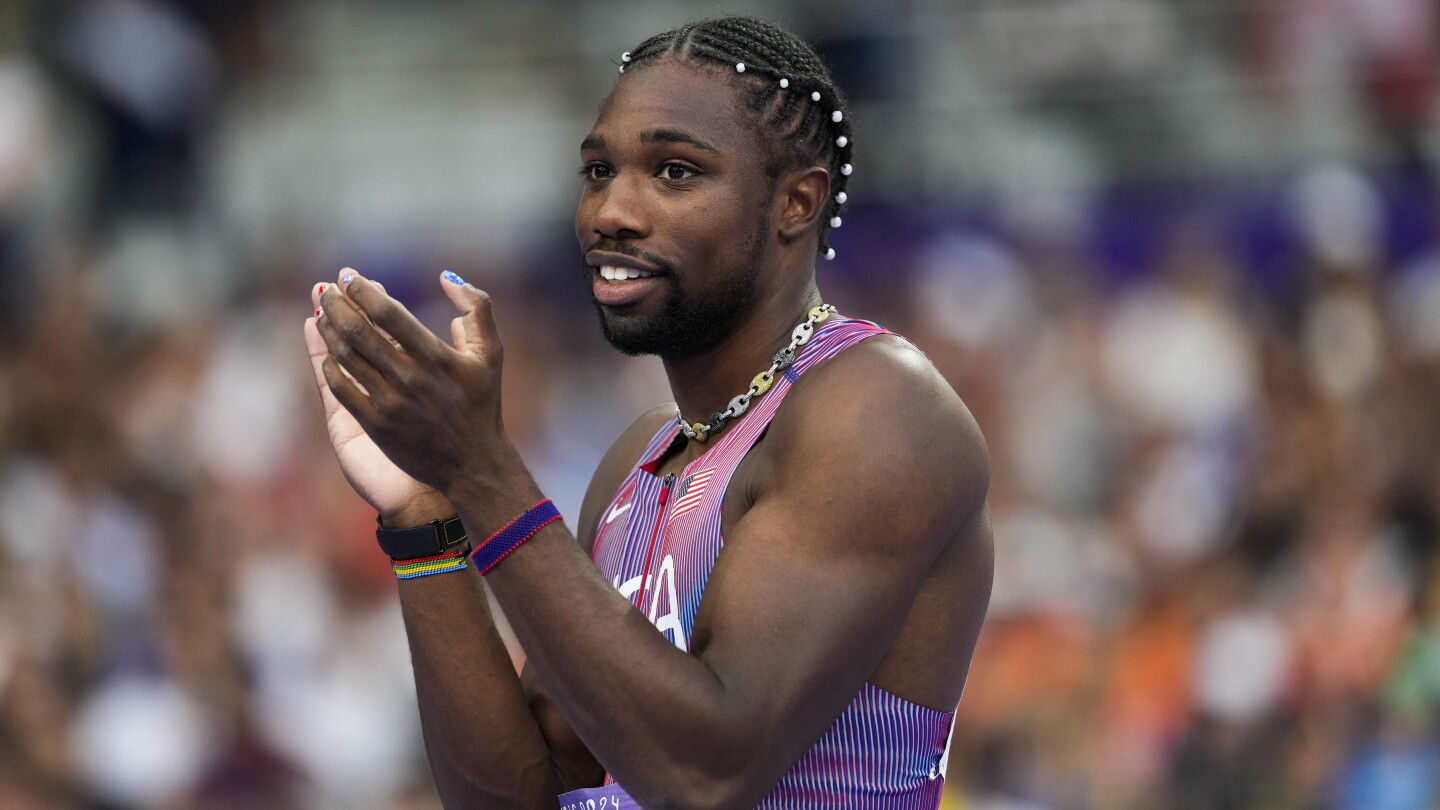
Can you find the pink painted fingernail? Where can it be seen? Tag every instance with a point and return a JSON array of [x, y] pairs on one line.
[[317, 313], [323, 288]]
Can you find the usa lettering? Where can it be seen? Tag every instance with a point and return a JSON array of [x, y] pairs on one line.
[[662, 596]]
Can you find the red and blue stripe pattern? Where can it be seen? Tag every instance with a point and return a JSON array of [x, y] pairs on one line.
[[882, 752]]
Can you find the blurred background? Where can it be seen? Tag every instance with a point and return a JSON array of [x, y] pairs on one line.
[[1179, 256]]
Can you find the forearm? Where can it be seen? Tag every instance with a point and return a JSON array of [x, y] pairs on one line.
[[651, 713], [483, 743], [654, 715]]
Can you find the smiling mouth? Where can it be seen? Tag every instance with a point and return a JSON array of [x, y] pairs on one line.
[[619, 275]]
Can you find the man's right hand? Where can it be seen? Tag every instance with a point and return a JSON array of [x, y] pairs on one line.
[[401, 500]]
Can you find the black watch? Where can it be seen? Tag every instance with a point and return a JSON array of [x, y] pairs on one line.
[[436, 537]]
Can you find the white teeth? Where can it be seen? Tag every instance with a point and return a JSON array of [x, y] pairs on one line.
[[612, 273]]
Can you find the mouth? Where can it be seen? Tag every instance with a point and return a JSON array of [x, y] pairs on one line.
[[620, 280], [619, 275]]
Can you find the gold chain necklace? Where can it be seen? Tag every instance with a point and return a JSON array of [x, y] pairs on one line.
[[700, 431]]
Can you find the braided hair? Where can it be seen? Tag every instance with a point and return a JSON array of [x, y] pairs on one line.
[[788, 89]]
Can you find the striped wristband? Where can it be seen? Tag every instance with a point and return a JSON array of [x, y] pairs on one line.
[[428, 566], [513, 534]]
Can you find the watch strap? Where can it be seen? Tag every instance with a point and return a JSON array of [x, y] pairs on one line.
[[436, 537]]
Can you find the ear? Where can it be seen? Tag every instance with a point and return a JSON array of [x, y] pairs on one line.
[[801, 198]]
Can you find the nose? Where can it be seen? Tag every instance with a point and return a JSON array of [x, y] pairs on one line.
[[619, 210]]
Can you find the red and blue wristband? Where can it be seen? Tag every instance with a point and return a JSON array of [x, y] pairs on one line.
[[513, 534]]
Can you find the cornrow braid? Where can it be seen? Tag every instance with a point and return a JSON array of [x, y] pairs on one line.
[[789, 90]]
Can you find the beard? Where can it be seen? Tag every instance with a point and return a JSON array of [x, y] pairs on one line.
[[686, 324]]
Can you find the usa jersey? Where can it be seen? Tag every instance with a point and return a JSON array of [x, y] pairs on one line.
[[658, 540]]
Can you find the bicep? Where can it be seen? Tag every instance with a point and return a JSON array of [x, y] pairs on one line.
[[817, 578], [814, 583]]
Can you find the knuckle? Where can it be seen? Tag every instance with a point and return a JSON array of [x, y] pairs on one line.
[[377, 308], [407, 376], [352, 328], [343, 353], [386, 400]]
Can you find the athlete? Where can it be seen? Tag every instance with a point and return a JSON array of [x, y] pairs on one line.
[[776, 583]]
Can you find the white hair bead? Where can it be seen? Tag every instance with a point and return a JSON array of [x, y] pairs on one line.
[[739, 67], [847, 169], [625, 57], [830, 254], [784, 83], [622, 68], [815, 95], [841, 197], [834, 222], [837, 116], [842, 141]]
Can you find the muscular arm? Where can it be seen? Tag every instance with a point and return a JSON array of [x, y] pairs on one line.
[[813, 585], [493, 740], [574, 763], [878, 467], [486, 746]]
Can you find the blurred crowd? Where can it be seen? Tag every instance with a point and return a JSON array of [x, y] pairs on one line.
[[1212, 403], [1215, 517]]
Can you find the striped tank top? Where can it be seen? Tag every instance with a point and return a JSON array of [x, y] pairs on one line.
[[657, 542]]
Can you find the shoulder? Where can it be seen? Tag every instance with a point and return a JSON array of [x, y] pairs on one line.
[[615, 465], [879, 420]]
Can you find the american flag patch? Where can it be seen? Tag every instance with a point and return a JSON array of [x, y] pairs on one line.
[[690, 491]]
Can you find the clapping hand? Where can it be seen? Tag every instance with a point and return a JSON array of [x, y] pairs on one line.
[[409, 415]]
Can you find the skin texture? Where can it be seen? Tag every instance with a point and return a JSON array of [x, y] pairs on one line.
[[857, 542]]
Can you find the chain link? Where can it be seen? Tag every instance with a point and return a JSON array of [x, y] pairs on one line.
[[700, 431]]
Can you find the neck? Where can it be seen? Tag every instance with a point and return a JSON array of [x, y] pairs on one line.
[[705, 383]]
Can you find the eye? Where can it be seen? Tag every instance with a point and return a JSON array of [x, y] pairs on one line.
[[595, 171], [677, 171]]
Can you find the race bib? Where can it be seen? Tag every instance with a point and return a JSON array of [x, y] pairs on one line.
[[610, 797]]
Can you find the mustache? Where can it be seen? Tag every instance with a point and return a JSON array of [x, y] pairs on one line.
[[626, 249]]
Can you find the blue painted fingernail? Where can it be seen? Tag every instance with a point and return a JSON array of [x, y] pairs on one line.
[[347, 278], [450, 276]]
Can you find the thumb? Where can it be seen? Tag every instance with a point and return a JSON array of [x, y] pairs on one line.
[[474, 331]]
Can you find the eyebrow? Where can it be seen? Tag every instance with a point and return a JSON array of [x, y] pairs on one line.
[[676, 136], [595, 142]]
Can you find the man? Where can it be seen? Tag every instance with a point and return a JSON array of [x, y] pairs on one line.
[[823, 663]]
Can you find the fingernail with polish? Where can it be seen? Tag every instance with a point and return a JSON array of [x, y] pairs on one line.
[[450, 276], [317, 313], [346, 279], [323, 288]]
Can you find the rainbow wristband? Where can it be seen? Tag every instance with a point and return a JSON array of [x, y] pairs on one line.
[[429, 566], [513, 534]]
